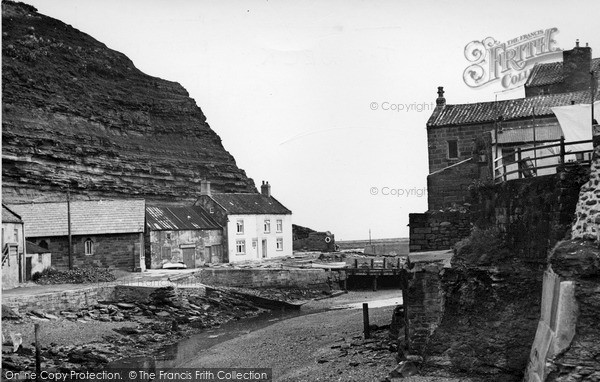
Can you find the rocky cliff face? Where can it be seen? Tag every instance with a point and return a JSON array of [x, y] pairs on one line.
[[77, 114]]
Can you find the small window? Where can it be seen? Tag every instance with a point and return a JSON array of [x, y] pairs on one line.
[[43, 244], [240, 227], [267, 226], [89, 247], [211, 210], [240, 247], [279, 225], [508, 155], [280, 244], [168, 236], [452, 149]]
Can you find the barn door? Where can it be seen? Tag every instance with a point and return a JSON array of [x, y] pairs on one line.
[[189, 257]]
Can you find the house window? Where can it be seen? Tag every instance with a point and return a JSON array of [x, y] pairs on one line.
[[211, 210], [452, 149], [89, 247], [168, 236], [240, 247], [267, 226], [508, 155], [279, 225], [280, 244], [240, 227]]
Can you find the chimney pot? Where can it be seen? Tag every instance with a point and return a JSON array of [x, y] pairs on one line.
[[440, 101], [265, 189], [205, 187], [577, 43]]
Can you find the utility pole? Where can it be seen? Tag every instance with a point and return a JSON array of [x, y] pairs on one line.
[[69, 228], [593, 88]]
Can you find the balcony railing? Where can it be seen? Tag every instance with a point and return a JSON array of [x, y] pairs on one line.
[[519, 165]]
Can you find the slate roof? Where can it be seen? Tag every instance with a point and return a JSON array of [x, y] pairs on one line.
[[254, 204], [9, 216], [551, 73], [32, 248], [525, 134], [520, 108], [178, 219], [87, 217]]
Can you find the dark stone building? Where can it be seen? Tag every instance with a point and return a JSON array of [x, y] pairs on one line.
[[104, 233]]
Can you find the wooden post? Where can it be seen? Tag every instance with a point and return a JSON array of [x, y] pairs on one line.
[[355, 263], [38, 356], [384, 262], [519, 162], [374, 283], [366, 328], [372, 263], [562, 149], [398, 263]]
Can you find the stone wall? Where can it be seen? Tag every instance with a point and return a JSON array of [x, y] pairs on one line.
[[56, 301], [436, 230], [533, 214], [120, 251], [424, 303], [266, 278], [588, 206], [450, 186]]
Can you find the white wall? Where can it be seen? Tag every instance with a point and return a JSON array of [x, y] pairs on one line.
[[254, 230]]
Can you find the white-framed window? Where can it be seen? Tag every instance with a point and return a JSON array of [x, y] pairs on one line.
[[279, 225], [88, 247], [240, 247], [240, 227], [280, 244], [267, 225]]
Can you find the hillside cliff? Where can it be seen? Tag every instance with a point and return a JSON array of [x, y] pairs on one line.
[[79, 115]]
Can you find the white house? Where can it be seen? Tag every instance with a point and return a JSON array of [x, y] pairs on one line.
[[13, 249], [256, 226]]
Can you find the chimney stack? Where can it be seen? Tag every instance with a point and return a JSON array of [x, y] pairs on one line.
[[205, 187], [265, 189], [440, 101]]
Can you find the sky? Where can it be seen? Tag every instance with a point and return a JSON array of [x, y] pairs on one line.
[[329, 100]]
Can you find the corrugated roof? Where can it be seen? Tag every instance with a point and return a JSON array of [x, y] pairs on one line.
[[87, 217], [542, 134], [551, 73], [9, 216], [178, 218], [483, 112], [259, 204]]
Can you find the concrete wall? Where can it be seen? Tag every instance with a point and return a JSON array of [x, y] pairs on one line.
[[167, 246], [254, 234], [432, 231], [556, 327], [265, 278], [122, 251]]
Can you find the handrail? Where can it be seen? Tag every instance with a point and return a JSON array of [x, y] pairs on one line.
[[523, 167]]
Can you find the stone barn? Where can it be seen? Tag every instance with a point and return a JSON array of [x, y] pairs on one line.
[[182, 235]]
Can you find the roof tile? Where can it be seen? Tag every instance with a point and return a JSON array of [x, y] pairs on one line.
[[87, 217], [178, 218], [245, 203]]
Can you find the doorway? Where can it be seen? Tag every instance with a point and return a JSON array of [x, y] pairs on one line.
[[264, 248]]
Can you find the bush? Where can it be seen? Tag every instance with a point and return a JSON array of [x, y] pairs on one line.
[[482, 247]]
